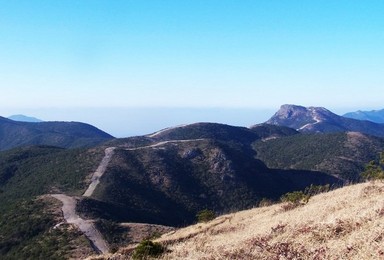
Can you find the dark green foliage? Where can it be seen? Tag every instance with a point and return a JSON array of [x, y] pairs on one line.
[[205, 215], [337, 154], [374, 170], [148, 249], [25, 226], [27, 172], [300, 151], [26, 232], [295, 197]]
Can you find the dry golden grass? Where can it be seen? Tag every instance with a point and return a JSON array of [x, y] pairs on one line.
[[347, 223]]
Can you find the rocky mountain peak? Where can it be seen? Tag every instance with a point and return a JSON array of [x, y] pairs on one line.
[[319, 119], [300, 117]]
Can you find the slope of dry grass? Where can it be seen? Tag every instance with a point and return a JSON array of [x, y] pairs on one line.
[[347, 223]]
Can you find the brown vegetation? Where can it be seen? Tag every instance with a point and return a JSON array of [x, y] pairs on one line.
[[347, 223]]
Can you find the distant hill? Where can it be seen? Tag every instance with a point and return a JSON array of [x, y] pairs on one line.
[[60, 134], [23, 118], [376, 116], [321, 120]]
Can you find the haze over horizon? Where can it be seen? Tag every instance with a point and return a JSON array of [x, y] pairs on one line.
[[132, 67]]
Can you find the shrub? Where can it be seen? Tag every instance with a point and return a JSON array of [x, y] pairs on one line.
[[316, 189], [374, 170], [147, 249], [264, 202], [205, 215], [295, 197]]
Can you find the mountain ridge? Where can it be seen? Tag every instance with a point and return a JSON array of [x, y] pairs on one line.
[[62, 134], [24, 118], [376, 116]]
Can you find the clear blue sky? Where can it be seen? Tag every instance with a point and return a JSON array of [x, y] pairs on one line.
[[82, 54]]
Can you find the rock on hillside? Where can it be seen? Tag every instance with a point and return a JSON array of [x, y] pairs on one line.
[[321, 120]]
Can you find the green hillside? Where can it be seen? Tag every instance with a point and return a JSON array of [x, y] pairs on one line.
[[340, 154], [169, 183]]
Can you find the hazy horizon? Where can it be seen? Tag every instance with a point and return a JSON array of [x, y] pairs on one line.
[[126, 122]]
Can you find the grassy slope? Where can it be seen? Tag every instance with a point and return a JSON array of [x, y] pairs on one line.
[[347, 223]]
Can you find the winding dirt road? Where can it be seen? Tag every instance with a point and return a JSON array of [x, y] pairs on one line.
[[86, 226]]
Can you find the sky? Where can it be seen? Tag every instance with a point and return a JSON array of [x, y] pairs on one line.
[[134, 66]]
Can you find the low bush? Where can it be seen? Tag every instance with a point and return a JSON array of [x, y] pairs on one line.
[[205, 215], [295, 197], [374, 170], [147, 249]]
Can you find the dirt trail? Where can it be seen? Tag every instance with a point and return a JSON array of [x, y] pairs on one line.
[[164, 142], [99, 171], [86, 226]]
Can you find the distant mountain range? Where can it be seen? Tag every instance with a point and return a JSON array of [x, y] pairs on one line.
[[60, 134], [23, 118], [321, 120], [376, 116]]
